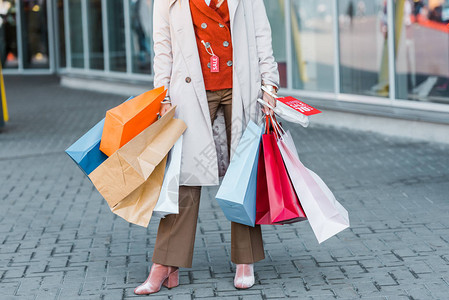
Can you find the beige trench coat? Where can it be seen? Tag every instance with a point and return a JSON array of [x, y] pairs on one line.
[[177, 67]]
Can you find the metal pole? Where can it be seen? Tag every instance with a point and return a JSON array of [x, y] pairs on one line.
[[56, 35], [85, 31], [19, 36], [391, 52], [105, 29], [68, 45], [51, 36], [288, 43], [336, 33], [127, 36]]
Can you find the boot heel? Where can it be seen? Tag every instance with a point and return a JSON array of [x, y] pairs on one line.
[[172, 280]]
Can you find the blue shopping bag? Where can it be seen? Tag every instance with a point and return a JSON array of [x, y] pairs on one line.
[[85, 152], [237, 193]]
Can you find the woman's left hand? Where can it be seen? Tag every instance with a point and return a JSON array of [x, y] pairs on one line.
[[270, 100]]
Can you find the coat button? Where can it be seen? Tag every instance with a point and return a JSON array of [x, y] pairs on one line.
[[188, 79], [226, 43], [221, 25], [204, 25], [208, 65], [207, 45], [229, 63]]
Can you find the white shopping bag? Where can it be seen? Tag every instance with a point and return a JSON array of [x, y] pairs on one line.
[[287, 113], [169, 197], [326, 215]]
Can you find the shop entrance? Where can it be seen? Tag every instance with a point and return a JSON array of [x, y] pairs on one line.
[[25, 46]]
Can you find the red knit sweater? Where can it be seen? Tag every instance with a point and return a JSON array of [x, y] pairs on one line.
[[212, 25]]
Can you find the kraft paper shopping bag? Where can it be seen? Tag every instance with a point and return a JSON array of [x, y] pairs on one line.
[[131, 165], [137, 207]]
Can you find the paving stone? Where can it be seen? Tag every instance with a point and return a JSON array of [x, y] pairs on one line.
[[59, 239]]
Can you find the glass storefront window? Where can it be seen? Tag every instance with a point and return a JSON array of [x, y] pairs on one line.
[[422, 41], [8, 34], [61, 33], [141, 18], [95, 32], [116, 29], [76, 34], [363, 47], [34, 34], [312, 45], [276, 15]]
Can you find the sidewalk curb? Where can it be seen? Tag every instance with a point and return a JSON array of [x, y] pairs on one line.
[[402, 128]]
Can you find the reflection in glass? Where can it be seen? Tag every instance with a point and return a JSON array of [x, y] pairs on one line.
[[95, 32], [76, 34], [363, 47], [34, 34], [312, 45], [116, 29], [61, 33], [275, 12], [8, 35], [141, 17], [422, 63]]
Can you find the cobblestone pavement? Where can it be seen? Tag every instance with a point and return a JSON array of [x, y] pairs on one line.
[[58, 239]]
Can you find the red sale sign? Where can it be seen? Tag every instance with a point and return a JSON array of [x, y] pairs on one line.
[[299, 106]]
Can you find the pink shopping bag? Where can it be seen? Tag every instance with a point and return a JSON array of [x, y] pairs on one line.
[[326, 215]]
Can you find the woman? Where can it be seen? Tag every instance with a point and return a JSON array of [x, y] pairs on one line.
[[208, 53]]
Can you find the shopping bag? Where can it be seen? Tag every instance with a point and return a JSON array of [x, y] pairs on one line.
[[124, 122], [326, 215], [262, 198], [131, 165], [287, 114], [282, 200], [290, 109], [237, 193], [85, 152], [168, 200], [137, 207]]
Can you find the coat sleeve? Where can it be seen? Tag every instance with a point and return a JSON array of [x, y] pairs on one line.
[[267, 64], [163, 55]]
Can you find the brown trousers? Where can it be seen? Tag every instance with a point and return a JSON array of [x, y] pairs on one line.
[[176, 234]]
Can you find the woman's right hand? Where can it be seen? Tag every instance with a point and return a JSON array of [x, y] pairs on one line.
[[164, 108]]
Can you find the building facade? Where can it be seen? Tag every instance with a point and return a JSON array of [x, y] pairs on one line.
[[387, 57]]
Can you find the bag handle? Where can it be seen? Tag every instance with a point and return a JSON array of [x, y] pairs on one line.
[[267, 123], [270, 122], [278, 125], [273, 117]]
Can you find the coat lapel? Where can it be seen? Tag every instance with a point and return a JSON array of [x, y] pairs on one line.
[[184, 35], [232, 6]]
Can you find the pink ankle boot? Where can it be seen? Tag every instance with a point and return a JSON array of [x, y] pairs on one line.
[[159, 275], [244, 276]]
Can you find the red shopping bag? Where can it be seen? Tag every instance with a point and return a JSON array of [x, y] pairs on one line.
[[262, 201], [276, 200]]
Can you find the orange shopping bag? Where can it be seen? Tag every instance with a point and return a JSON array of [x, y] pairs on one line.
[[130, 118]]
